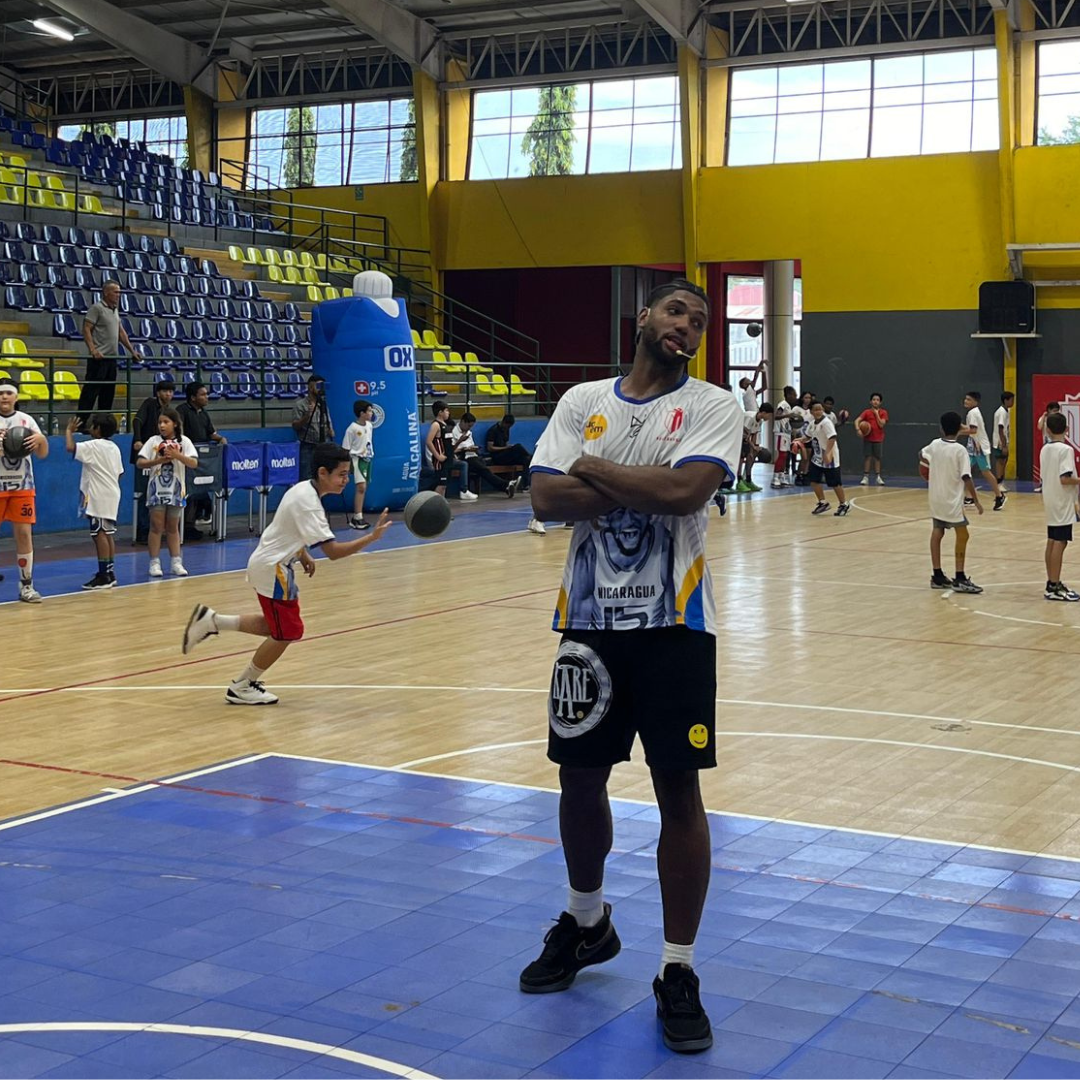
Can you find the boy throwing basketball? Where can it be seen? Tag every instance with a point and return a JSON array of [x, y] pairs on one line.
[[300, 523], [17, 504]]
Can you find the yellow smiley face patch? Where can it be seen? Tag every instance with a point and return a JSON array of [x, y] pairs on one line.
[[699, 736]]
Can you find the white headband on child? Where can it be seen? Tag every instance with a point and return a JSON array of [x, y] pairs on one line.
[[5, 385]]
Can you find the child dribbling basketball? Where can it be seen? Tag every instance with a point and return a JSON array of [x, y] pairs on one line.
[[300, 523]]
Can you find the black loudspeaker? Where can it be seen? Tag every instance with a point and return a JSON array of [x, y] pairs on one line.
[[1006, 307]]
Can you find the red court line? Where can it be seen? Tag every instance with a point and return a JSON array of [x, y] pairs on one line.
[[499, 834], [244, 652]]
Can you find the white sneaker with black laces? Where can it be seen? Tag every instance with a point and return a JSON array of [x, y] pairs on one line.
[[842, 510], [246, 692], [201, 625], [1061, 591], [536, 526], [29, 595], [512, 487], [359, 524], [965, 585]]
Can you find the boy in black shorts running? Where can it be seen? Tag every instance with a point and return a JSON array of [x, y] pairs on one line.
[[634, 461]]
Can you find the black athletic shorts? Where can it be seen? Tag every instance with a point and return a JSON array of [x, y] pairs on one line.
[[1059, 532], [830, 476], [610, 685]]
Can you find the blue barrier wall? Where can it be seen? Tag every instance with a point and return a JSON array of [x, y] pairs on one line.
[[57, 477]]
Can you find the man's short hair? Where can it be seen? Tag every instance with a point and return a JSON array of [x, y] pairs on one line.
[[314, 378], [828, 398], [467, 418], [508, 420], [950, 423], [193, 388], [1057, 423], [164, 384], [328, 456], [111, 281], [678, 285], [437, 406], [974, 395], [105, 422], [360, 406]]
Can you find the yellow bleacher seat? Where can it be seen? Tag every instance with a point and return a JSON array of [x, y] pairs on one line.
[[255, 257], [431, 341], [311, 276], [498, 385], [336, 265], [11, 195], [330, 293], [13, 351], [236, 253], [34, 198], [417, 340], [314, 294], [346, 292], [288, 258], [9, 176], [457, 362], [518, 387], [440, 361], [5, 376], [59, 200], [305, 258], [91, 204], [13, 160], [483, 386], [33, 387], [65, 386], [272, 257], [472, 362], [273, 273], [292, 276], [55, 182]]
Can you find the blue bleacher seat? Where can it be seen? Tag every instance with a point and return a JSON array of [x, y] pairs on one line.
[[66, 326], [249, 290], [169, 246], [53, 234], [9, 273], [44, 254], [203, 308], [14, 251], [28, 274], [76, 236], [200, 332], [125, 241], [94, 257], [272, 354], [200, 286], [70, 255], [86, 277], [130, 304], [158, 283], [128, 328], [268, 334], [264, 311], [272, 386], [46, 299], [179, 307], [187, 265], [247, 354], [4, 233], [136, 282], [74, 301], [223, 387], [170, 351], [178, 331], [209, 268], [197, 352], [119, 261], [147, 244], [246, 385], [155, 306], [294, 384], [226, 310], [295, 356], [163, 373], [290, 334], [223, 287], [290, 313], [223, 352], [240, 333], [57, 277], [305, 333], [102, 238], [149, 330], [25, 232], [141, 261], [219, 382], [166, 264]]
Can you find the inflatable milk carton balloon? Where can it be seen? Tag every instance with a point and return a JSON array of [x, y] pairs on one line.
[[362, 346]]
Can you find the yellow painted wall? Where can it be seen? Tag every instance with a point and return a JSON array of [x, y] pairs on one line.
[[397, 202]]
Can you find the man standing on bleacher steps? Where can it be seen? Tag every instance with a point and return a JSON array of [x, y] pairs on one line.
[[633, 462], [103, 333]]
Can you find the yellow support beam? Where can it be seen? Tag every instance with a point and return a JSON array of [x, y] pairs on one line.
[[690, 75]]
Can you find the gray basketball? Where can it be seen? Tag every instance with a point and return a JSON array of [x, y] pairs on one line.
[[427, 514], [15, 447]]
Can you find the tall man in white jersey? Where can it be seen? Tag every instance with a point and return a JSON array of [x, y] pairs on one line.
[[633, 462]]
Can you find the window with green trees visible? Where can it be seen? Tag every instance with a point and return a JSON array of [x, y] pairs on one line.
[[361, 142], [1058, 103], [615, 125]]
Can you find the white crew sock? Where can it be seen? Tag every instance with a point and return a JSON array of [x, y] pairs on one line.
[[251, 674], [226, 622], [676, 954], [586, 907], [26, 568]]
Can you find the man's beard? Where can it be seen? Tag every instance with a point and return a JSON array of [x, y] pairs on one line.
[[654, 346]]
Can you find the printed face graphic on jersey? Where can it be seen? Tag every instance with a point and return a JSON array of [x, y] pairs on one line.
[[628, 537]]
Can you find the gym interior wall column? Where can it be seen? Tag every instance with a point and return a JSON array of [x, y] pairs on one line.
[[199, 111], [457, 112], [690, 128], [778, 339], [426, 97], [232, 129], [714, 105]]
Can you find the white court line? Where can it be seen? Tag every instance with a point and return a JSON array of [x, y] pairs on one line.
[[68, 807], [325, 1049], [723, 813], [1016, 618]]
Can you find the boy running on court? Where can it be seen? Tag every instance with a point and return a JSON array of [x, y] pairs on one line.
[[979, 445], [17, 504], [300, 523], [950, 478], [633, 462], [824, 461], [1057, 468], [361, 449], [99, 486]]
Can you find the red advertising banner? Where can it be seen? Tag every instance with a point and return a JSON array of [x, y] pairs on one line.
[[1065, 390]]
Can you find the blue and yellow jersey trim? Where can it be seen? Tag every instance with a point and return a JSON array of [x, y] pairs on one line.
[[689, 601], [559, 622]]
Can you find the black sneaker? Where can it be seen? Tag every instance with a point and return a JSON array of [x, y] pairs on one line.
[[966, 585], [842, 510], [678, 1005], [567, 949], [1000, 501], [100, 581], [940, 582], [820, 508]]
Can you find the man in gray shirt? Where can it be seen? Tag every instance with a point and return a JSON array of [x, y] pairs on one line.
[[311, 422], [102, 333]]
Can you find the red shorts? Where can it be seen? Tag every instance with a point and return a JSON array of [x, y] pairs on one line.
[[16, 506], [283, 618]]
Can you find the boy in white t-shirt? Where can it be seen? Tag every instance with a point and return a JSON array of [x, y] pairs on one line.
[[1057, 468], [1051, 408], [1002, 438], [824, 460], [361, 451], [750, 391], [950, 477], [99, 487], [979, 445], [300, 523], [752, 422]]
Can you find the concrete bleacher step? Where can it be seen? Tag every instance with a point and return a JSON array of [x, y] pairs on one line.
[[14, 328]]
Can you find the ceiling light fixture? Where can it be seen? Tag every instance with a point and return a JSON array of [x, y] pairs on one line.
[[55, 31]]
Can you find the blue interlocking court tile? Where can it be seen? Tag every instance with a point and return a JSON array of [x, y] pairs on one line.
[[317, 919]]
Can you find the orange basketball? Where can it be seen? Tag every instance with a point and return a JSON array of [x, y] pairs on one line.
[[924, 469], [863, 427]]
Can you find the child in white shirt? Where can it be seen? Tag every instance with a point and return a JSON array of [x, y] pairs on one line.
[[99, 488], [1057, 470], [358, 442], [167, 456]]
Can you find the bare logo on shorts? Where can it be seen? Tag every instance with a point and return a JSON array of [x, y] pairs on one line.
[[580, 691]]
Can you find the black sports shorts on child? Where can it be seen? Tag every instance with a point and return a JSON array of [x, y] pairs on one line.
[[828, 475], [610, 685]]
